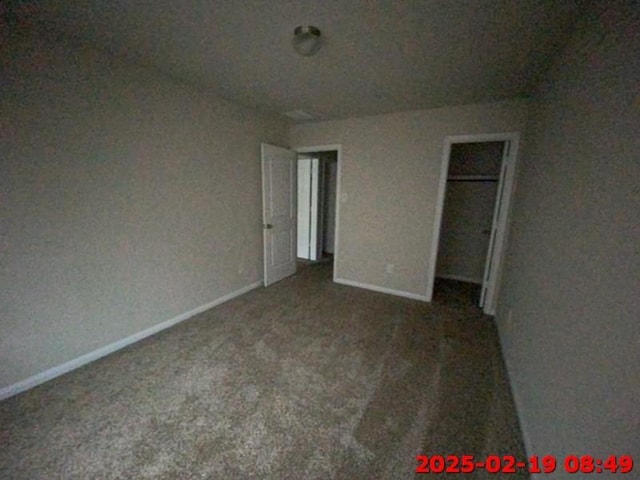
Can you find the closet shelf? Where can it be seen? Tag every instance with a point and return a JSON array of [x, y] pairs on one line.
[[473, 178]]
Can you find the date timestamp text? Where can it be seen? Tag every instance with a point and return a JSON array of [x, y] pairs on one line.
[[535, 464]]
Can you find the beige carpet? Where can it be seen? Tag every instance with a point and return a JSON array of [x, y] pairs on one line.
[[306, 379]]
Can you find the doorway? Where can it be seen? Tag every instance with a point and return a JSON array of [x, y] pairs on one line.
[[317, 204], [471, 217], [317, 172]]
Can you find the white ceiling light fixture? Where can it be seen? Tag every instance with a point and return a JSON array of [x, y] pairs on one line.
[[306, 40]]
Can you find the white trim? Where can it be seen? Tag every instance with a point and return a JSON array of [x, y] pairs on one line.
[[336, 233], [375, 288], [78, 362], [336, 242], [513, 137], [460, 278], [517, 400]]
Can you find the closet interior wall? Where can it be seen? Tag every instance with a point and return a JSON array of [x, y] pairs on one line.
[[472, 183]]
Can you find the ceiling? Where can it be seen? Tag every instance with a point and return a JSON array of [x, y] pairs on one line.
[[377, 56]]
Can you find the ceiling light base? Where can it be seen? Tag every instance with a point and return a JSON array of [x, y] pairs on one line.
[[306, 40]]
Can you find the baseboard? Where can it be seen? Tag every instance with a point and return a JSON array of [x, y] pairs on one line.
[[460, 278], [78, 362], [375, 288], [518, 403]]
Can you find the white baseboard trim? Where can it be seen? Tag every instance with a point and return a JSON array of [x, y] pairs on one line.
[[460, 278], [375, 288], [518, 403], [78, 362]]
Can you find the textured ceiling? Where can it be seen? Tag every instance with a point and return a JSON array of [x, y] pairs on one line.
[[377, 56]]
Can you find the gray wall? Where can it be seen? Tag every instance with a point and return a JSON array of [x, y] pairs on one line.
[[572, 282], [127, 200], [390, 168]]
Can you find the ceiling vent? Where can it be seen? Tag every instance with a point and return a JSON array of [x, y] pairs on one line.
[[298, 115]]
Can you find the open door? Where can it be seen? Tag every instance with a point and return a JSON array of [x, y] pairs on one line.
[[309, 208], [279, 172], [490, 277]]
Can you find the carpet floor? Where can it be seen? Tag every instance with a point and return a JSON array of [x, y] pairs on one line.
[[306, 379]]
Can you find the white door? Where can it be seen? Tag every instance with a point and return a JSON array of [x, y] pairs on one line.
[[309, 227], [304, 207], [278, 212], [489, 280]]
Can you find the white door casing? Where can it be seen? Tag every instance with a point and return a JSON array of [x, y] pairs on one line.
[[279, 172]]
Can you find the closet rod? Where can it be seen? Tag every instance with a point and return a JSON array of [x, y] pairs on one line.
[[473, 178]]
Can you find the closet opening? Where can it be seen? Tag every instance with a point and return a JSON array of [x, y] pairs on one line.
[[317, 182], [471, 219]]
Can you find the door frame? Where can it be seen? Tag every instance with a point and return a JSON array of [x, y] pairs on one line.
[[506, 183], [331, 148]]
